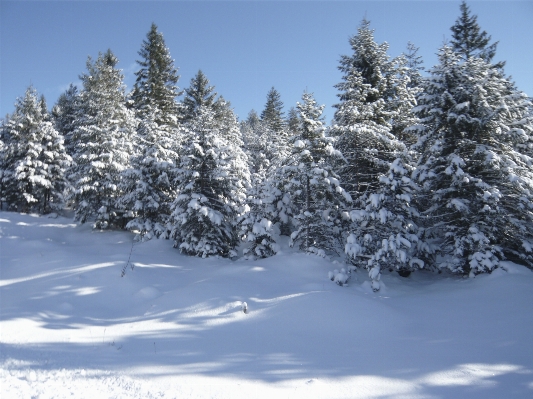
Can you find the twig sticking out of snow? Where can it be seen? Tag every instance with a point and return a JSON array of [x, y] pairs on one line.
[[128, 262]]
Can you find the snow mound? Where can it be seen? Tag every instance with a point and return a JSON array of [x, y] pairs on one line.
[[148, 293]]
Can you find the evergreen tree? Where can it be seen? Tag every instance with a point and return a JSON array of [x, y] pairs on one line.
[[198, 95], [263, 147], [309, 177], [479, 186], [34, 158], [64, 113], [293, 122], [212, 181], [468, 40], [365, 117], [273, 112], [386, 231], [102, 138], [149, 185], [261, 219], [156, 83], [414, 65]]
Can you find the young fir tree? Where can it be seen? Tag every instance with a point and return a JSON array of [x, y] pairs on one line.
[[103, 139], [34, 158], [273, 112], [386, 230], [479, 186], [468, 40], [292, 123], [212, 181], [149, 185], [308, 176], [156, 83], [198, 95], [64, 113], [371, 108]]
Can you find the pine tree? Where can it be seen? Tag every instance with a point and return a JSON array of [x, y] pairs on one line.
[[156, 84], [273, 112], [260, 222], [479, 186], [34, 158], [365, 118], [309, 177], [468, 40], [292, 121], [103, 139], [198, 95], [64, 113], [148, 186], [262, 146], [212, 181], [414, 65], [386, 231]]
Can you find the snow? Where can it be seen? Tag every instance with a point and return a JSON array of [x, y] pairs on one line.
[[175, 326]]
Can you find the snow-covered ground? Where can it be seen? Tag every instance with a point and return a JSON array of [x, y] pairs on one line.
[[173, 327]]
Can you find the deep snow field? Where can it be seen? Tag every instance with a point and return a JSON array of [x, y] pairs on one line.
[[173, 327]]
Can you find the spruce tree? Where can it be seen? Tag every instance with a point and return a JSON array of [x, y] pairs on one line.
[[156, 83], [370, 104], [34, 158], [103, 142], [479, 186], [64, 113], [149, 185], [469, 41], [212, 180], [273, 112], [308, 176], [199, 94], [414, 65], [292, 122]]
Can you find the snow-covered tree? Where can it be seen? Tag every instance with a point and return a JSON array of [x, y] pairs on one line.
[[198, 95], [212, 180], [64, 113], [364, 121], [262, 146], [292, 121], [385, 233], [156, 83], [414, 65], [148, 186], [472, 121], [102, 138], [308, 176], [260, 221], [273, 112], [34, 159]]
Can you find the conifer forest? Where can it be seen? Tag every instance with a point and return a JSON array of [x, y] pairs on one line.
[[419, 169]]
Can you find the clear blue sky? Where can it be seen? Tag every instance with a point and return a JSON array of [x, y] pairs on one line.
[[243, 47]]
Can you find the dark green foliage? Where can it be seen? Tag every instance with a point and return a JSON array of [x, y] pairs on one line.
[[273, 112], [156, 84], [469, 41], [199, 94]]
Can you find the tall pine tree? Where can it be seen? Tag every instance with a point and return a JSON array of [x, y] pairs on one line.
[[103, 140], [480, 208], [212, 181], [469, 41], [156, 83], [33, 157]]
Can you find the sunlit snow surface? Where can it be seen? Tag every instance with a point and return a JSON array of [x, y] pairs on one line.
[[174, 326]]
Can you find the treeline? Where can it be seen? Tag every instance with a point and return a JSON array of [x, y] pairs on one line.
[[416, 170]]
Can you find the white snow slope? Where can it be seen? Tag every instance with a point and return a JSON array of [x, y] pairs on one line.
[[173, 327]]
